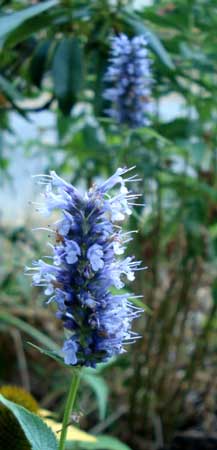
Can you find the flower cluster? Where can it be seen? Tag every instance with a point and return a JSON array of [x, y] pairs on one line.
[[86, 267], [130, 80]]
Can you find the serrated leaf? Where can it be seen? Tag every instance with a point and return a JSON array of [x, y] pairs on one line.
[[12, 21], [38, 434], [67, 69], [100, 388]]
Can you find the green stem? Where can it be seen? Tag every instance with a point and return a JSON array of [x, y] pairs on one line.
[[68, 409]]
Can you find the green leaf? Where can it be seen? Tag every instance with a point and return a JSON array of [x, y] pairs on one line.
[[4, 163], [8, 89], [67, 69], [11, 94], [28, 29], [214, 291], [97, 383], [38, 62], [52, 354], [138, 27], [103, 443], [197, 150], [139, 303], [100, 388], [100, 65], [151, 133], [28, 329], [38, 434], [12, 21]]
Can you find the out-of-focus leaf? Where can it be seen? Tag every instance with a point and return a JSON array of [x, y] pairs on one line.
[[214, 291], [27, 30], [4, 163], [67, 69], [173, 21], [38, 62], [213, 231], [100, 68], [177, 127], [93, 138], [83, 12], [12, 94], [150, 132], [38, 434], [100, 388], [63, 125], [8, 89], [10, 22], [28, 329], [51, 354], [73, 433], [138, 27], [197, 151], [103, 443], [137, 302]]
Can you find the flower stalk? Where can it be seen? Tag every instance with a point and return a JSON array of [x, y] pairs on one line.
[[69, 407]]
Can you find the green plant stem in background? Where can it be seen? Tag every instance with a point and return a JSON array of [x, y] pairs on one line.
[[69, 406]]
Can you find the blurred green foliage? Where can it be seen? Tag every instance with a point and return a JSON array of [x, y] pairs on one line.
[[53, 58]]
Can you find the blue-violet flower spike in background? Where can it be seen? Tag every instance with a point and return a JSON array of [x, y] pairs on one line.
[[87, 265], [129, 81]]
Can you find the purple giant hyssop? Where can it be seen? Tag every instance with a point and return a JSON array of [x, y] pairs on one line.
[[129, 80], [87, 266]]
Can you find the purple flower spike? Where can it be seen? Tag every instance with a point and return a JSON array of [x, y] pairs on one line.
[[87, 264], [129, 81], [73, 251], [95, 256]]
